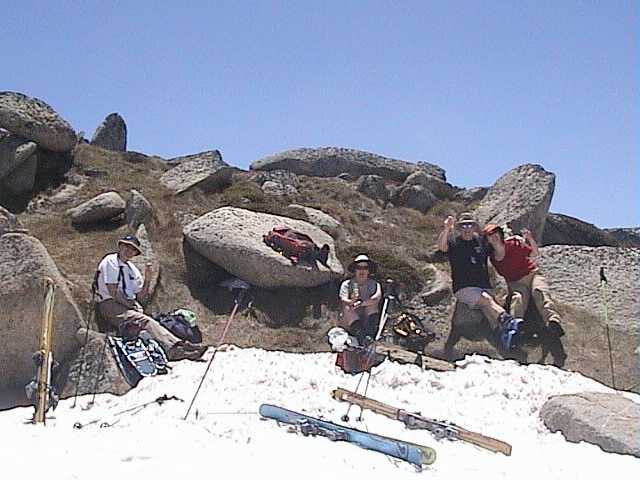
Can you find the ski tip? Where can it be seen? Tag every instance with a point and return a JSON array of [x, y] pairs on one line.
[[265, 408]]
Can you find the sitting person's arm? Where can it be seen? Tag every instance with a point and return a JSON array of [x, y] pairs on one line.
[[118, 296], [143, 294], [344, 295], [375, 298]]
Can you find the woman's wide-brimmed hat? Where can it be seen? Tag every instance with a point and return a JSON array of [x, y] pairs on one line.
[[362, 258]]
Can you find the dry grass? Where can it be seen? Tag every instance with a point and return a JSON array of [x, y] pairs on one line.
[[395, 237]]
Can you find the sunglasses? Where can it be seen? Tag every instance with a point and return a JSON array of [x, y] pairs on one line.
[[363, 267], [466, 226]]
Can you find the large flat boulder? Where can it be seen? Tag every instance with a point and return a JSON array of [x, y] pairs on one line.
[[111, 133], [520, 197], [232, 238], [333, 161], [565, 230], [205, 170], [608, 420], [24, 263], [35, 120], [100, 208]]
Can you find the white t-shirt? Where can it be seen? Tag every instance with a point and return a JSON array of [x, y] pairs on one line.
[[110, 273]]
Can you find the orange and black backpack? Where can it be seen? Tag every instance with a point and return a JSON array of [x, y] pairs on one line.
[[296, 246]]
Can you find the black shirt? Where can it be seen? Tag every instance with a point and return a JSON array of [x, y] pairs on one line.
[[468, 260]]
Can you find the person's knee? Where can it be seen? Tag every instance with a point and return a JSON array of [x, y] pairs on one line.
[[486, 300], [516, 297]]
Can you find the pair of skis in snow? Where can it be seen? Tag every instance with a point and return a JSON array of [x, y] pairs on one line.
[[415, 454]]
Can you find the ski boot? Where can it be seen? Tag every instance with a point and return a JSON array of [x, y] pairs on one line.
[[508, 333]]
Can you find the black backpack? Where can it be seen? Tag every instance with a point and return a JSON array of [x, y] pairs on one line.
[[409, 332], [179, 326]]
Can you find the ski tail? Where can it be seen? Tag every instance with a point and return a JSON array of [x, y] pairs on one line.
[[439, 429]]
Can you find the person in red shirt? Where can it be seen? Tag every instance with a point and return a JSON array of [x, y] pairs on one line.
[[512, 258]]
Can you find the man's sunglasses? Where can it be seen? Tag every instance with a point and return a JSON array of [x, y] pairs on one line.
[[363, 267], [466, 226]]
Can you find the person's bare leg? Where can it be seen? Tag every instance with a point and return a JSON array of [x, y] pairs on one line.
[[490, 309]]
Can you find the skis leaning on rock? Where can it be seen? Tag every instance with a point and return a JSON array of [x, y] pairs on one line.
[[417, 455], [45, 396], [439, 429]]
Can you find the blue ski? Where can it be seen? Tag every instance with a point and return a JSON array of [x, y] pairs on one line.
[[417, 455]]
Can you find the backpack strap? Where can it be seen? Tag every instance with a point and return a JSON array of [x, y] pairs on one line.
[[96, 275]]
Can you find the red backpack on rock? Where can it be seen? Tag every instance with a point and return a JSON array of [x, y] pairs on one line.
[[296, 246]]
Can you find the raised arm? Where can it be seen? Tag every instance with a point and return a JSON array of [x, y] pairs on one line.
[[531, 241], [443, 238]]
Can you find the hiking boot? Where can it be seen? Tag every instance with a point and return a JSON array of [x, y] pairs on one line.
[[186, 351], [508, 333]]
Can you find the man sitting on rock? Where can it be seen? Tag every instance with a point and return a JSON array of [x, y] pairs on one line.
[[468, 252], [119, 286], [512, 258]]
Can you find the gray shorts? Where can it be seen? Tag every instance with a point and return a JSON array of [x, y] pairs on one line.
[[470, 296]]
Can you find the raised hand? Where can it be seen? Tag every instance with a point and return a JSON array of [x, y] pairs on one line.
[[449, 222]]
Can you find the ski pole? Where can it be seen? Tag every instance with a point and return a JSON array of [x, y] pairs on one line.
[[90, 315], [244, 287], [603, 285], [99, 372], [383, 320]]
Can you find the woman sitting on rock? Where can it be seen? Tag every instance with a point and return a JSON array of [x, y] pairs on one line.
[[360, 297]]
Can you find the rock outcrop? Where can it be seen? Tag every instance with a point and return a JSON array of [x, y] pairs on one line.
[[521, 198], [232, 239], [138, 210], [320, 219], [416, 197], [205, 170], [594, 313], [100, 208], [277, 182], [93, 369], [24, 263], [565, 230], [8, 222], [18, 165], [333, 161], [626, 237], [111, 134], [373, 186], [33, 119]]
